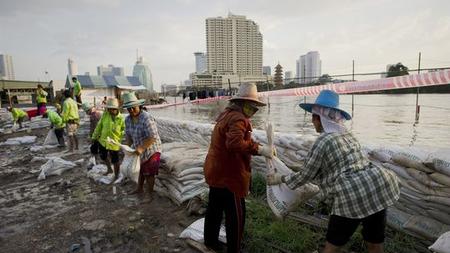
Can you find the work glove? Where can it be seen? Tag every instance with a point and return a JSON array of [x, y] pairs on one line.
[[267, 151], [274, 179]]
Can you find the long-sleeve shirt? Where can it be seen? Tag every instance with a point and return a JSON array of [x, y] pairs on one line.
[[55, 119], [358, 188], [112, 127], [17, 113], [41, 96], [76, 88], [70, 110]]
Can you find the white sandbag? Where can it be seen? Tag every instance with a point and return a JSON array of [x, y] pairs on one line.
[[400, 171], [188, 171], [440, 160], [131, 166], [410, 162], [55, 166], [429, 191], [396, 218], [281, 198], [195, 231], [439, 216], [442, 244], [441, 178], [19, 140], [51, 138], [427, 227], [423, 178], [439, 200]]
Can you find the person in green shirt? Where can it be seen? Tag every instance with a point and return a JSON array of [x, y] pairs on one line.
[[70, 116], [41, 99], [18, 115], [112, 125], [58, 124], [77, 90]]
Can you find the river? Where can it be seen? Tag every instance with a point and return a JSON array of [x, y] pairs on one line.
[[378, 119]]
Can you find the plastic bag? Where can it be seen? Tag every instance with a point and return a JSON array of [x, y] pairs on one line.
[[195, 231], [55, 166], [51, 138], [442, 244]]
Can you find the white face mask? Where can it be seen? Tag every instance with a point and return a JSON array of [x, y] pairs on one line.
[[332, 120]]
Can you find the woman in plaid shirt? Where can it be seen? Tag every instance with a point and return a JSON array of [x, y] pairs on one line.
[[361, 191]]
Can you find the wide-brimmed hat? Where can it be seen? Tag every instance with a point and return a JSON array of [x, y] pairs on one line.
[[86, 106], [130, 100], [329, 99], [248, 91], [112, 103]]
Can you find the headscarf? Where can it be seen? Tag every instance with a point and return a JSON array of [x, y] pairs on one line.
[[332, 120]]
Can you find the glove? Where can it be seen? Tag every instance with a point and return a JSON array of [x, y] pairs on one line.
[[274, 179], [267, 151]]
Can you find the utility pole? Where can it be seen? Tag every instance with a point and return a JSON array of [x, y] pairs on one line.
[[268, 89], [229, 87], [304, 83], [353, 79], [417, 94]]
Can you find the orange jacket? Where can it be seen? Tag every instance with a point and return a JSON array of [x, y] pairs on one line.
[[227, 164]]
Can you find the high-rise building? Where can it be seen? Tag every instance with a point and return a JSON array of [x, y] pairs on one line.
[[288, 77], [110, 70], [234, 45], [200, 62], [73, 68], [142, 71], [309, 67], [266, 71], [6, 67]]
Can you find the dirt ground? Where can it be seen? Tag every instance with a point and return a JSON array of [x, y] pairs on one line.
[[70, 212]]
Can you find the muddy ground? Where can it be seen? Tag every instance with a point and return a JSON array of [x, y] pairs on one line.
[[68, 212]]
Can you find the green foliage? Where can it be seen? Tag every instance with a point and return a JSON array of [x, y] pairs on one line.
[[397, 70], [258, 188]]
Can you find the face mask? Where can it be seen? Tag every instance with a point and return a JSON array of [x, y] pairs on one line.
[[249, 109]]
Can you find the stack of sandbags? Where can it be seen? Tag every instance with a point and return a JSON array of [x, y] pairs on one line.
[[425, 189], [184, 131], [181, 171]]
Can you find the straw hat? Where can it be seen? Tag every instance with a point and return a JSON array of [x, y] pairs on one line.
[[112, 103], [248, 91], [86, 106], [329, 99], [130, 100]]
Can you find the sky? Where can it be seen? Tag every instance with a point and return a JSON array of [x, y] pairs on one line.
[[42, 35]]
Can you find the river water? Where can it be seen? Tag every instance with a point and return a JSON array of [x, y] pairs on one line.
[[378, 119]]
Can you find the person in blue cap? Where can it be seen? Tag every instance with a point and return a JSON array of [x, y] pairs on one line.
[[360, 191]]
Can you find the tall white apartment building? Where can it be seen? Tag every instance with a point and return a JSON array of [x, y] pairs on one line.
[[200, 62], [309, 67], [6, 67], [72, 67], [234, 46]]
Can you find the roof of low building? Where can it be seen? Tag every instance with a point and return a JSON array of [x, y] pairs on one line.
[[88, 81]]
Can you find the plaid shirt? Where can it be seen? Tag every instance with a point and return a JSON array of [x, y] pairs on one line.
[[358, 188], [143, 129]]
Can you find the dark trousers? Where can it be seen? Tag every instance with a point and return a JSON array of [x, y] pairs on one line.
[[59, 132], [39, 110], [222, 200]]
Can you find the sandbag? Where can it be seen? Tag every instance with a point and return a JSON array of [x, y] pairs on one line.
[[410, 162], [439, 200], [423, 178], [400, 171], [442, 244], [397, 218], [51, 138], [441, 178], [427, 227], [195, 231], [131, 164], [440, 216], [427, 190], [281, 198], [440, 161], [55, 166]]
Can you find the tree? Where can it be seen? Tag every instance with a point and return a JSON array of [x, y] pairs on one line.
[[278, 78], [397, 70], [325, 78]]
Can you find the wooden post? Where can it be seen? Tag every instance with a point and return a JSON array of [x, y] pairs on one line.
[[417, 95], [353, 79]]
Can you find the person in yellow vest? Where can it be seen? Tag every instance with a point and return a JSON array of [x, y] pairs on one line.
[[72, 119], [58, 124], [41, 100], [18, 115], [112, 125], [58, 108], [77, 90]]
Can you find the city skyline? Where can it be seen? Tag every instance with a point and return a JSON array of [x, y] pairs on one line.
[[374, 34]]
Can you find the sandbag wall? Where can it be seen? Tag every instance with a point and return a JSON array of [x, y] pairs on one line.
[[424, 206]]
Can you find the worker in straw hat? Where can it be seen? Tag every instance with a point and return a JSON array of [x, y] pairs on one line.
[[94, 118], [227, 168], [111, 125], [142, 135], [361, 191]]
